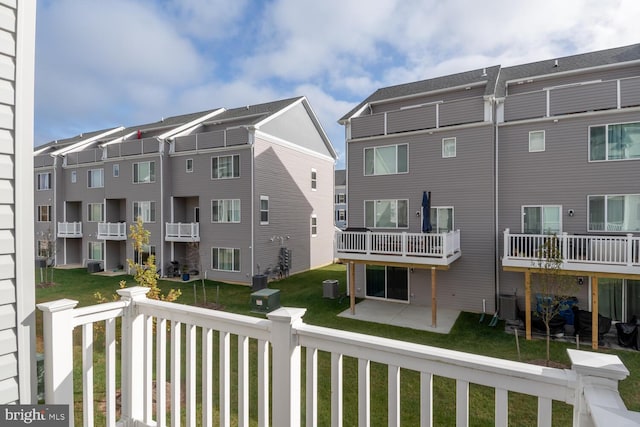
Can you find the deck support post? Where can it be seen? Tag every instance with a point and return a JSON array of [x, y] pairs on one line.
[[594, 312], [434, 299], [527, 304], [352, 287]]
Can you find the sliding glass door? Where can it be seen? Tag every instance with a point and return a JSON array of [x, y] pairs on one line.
[[619, 299], [387, 282]]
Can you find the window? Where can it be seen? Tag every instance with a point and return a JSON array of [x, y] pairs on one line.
[[74, 176], [441, 219], [341, 198], [44, 213], [314, 225], [386, 213], [541, 219], [116, 170], [314, 179], [189, 165], [614, 142], [95, 178], [224, 167], [95, 251], [264, 210], [448, 147], [225, 210], [614, 213], [43, 249], [618, 299], [144, 172], [94, 212], [536, 141], [225, 259], [145, 210], [44, 181], [142, 256], [387, 160], [341, 215]]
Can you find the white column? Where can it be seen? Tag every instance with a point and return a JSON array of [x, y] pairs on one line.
[[286, 366], [58, 362], [133, 355]]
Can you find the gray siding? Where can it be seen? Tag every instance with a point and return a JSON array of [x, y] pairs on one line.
[[464, 182], [411, 119], [450, 95], [462, 111], [575, 99], [525, 106], [630, 92]]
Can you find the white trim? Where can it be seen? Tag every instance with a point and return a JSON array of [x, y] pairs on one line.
[[364, 212], [568, 116], [314, 179], [262, 197], [544, 141], [79, 146], [541, 206], [421, 132], [455, 147], [606, 136], [187, 126], [312, 226], [364, 163], [186, 166]]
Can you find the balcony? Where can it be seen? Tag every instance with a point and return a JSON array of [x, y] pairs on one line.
[[179, 232], [112, 231], [410, 248], [158, 342], [70, 229], [583, 253]]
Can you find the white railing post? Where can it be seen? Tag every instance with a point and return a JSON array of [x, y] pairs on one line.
[[133, 355], [286, 366], [629, 249], [368, 243], [57, 319], [405, 244], [505, 250], [565, 245], [597, 400]]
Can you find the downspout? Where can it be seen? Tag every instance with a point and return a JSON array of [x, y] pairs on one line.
[[496, 207], [251, 136], [54, 202], [162, 242]]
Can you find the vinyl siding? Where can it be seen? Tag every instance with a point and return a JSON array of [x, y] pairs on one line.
[[630, 92], [464, 182], [576, 99], [445, 96]]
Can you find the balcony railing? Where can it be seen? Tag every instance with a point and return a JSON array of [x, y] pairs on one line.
[[179, 232], [112, 230], [589, 253], [419, 248], [159, 339], [70, 229]]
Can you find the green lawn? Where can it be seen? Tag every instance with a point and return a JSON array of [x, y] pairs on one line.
[[305, 290]]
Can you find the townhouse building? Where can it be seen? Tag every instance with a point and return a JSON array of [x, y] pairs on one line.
[[510, 156], [226, 193]]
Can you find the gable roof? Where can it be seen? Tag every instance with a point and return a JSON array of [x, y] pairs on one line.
[[488, 76]]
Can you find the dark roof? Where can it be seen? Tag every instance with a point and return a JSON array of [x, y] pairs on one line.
[[599, 58], [340, 177], [164, 123], [488, 75], [255, 113], [61, 143]]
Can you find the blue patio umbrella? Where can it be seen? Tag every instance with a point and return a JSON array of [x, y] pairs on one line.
[[426, 212]]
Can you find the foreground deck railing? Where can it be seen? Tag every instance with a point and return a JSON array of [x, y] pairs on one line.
[[426, 248], [147, 354], [593, 252]]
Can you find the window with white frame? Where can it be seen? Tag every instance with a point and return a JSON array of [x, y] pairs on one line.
[[341, 215], [95, 178], [441, 219], [542, 219], [448, 147], [116, 170], [225, 167], [225, 259], [314, 225], [94, 212], [614, 142], [96, 251], [225, 210], [44, 213], [386, 213], [536, 141], [74, 177], [145, 210], [314, 179], [144, 172], [142, 256], [264, 210], [189, 165], [341, 198], [387, 160], [620, 212], [44, 181]]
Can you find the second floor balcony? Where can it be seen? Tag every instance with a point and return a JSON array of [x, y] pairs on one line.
[[598, 253], [112, 230], [182, 232], [410, 248], [69, 229]]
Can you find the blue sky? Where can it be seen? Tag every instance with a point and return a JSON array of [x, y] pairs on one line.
[[101, 64]]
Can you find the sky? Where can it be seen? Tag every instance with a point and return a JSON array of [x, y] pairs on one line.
[[102, 64]]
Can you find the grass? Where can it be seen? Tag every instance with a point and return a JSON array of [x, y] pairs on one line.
[[305, 290]]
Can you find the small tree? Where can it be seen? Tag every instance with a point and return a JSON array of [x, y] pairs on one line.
[[553, 286], [145, 273], [47, 250]]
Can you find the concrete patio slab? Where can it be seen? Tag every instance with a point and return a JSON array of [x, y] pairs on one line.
[[403, 315]]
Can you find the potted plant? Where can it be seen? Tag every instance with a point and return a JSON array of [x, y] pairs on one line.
[[185, 273]]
